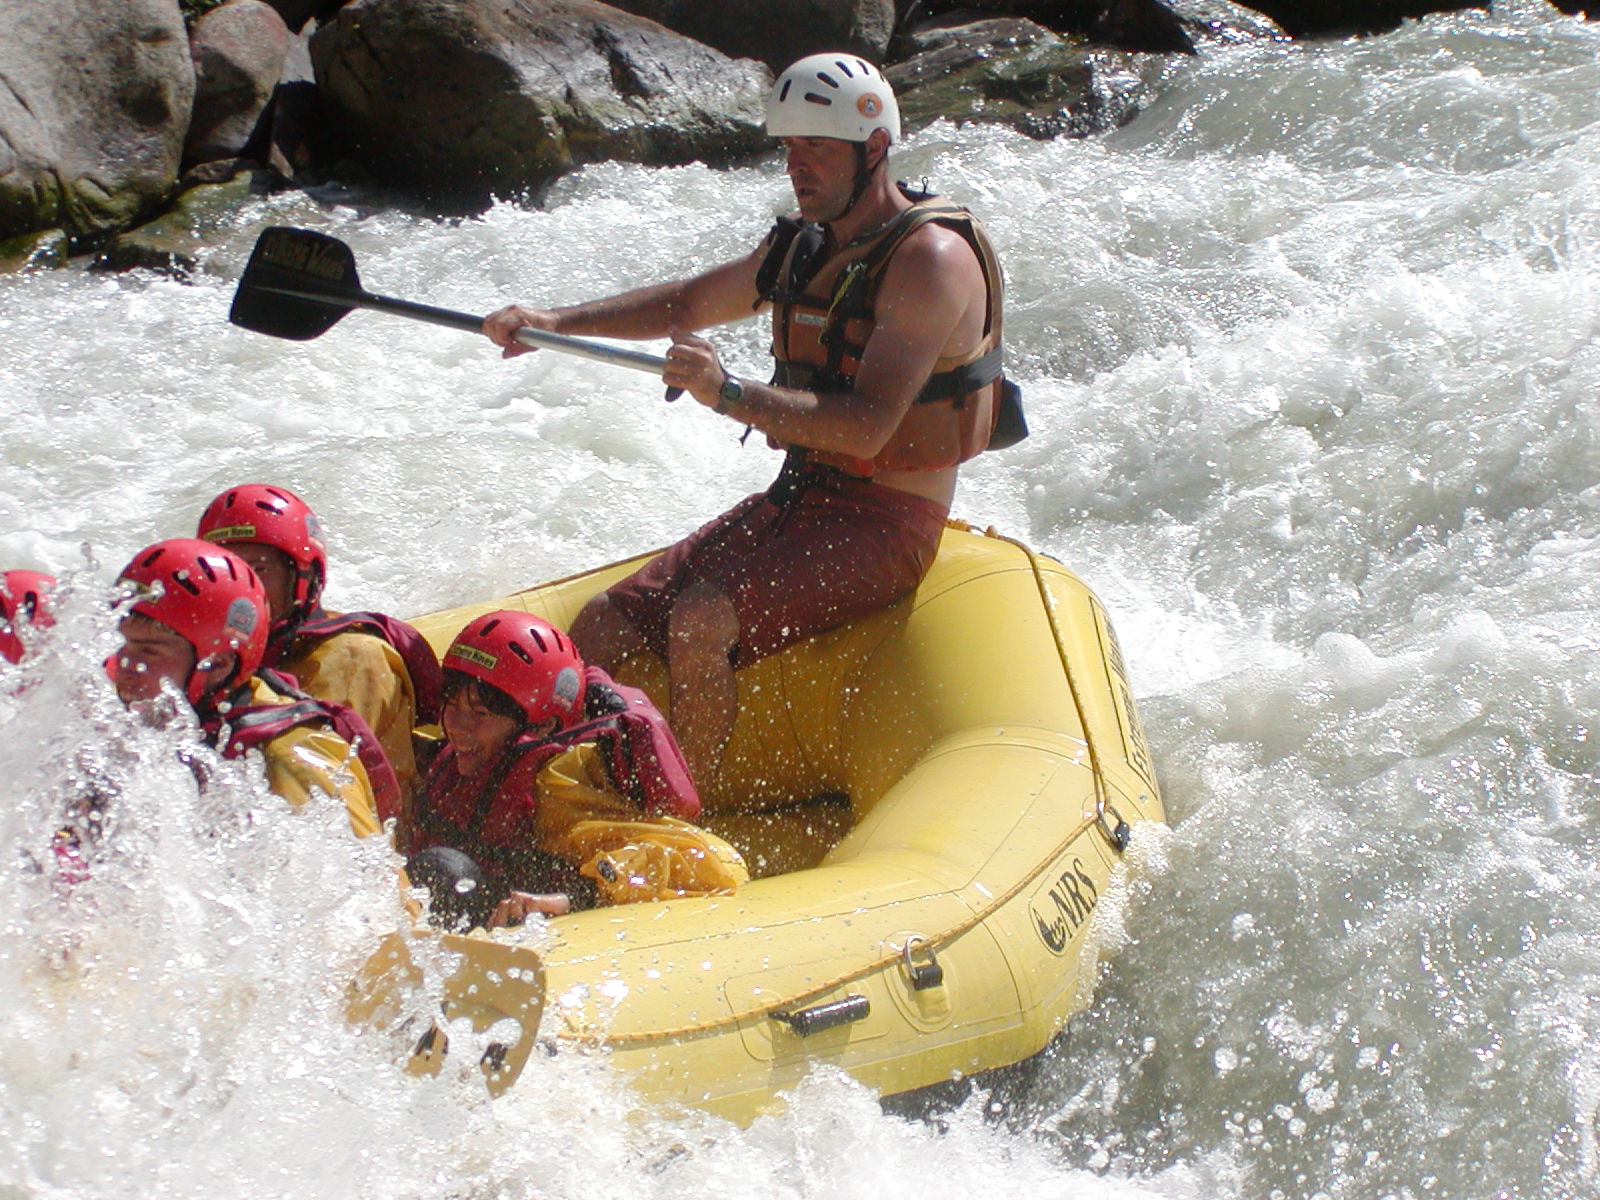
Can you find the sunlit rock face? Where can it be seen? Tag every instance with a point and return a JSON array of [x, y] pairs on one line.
[[93, 112], [473, 100]]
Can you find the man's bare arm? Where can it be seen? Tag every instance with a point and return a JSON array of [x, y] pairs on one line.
[[930, 303], [723, 294]]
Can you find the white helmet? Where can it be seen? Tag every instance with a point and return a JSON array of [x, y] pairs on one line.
[[833, 96]]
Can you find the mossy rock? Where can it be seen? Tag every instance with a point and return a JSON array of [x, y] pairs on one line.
[[172, 243], [38, 251]]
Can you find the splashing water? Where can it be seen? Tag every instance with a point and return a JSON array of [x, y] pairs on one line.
[[1309, 352]]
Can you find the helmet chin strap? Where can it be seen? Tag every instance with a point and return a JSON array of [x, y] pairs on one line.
[[209, 701], [862, 178]]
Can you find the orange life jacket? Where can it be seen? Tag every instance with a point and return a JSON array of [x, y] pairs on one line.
[[821, 322]]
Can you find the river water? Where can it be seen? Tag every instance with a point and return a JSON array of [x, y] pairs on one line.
[[1310, 356]]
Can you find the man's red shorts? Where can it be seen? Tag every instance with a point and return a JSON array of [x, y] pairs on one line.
[[836, 549]]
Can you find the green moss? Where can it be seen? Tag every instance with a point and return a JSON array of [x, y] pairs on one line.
[[193, 10]]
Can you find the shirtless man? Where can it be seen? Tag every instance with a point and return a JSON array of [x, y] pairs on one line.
[[886, 326]]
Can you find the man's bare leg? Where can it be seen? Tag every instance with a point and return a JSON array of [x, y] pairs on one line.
[[701, 635], [605, 637]]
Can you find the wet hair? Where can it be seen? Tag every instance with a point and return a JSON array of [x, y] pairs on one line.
[[486, 694]]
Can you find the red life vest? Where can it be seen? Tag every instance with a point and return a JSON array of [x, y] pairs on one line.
[[494, 826], [253, 725], [642, 754], [427, 678], [489, 818]]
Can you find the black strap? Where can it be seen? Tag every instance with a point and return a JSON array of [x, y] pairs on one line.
[[808, 240], [962, 381], [282, 684], [291, 715], [779, 240], [942, 385]]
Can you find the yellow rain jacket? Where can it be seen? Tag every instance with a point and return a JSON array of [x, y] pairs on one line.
[[305, 760], [583, 819], [365, 672]]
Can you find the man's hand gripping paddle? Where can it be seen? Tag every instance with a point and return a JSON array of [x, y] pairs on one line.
[[298, 283]]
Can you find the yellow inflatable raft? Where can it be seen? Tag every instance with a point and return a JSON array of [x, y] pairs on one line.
[[931, 801]]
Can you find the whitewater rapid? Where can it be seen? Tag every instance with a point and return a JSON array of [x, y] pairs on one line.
[[1309, 352]]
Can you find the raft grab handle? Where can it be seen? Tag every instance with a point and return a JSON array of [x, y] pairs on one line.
[[806, 1021], [923, 975], [1117, 830]]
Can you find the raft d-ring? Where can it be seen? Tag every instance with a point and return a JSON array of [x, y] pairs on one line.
[[1117, 834], [923, 975]]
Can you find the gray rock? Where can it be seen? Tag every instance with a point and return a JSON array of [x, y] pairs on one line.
[[1310, 18], [1213, 23], [239, 51], [94, 102], [1018, 73], [468, 99], [777, 32], [174, 242], [1149, 26]]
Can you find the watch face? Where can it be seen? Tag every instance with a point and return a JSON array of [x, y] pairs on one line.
[[731, 389]]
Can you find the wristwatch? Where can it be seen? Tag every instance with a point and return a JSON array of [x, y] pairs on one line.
[[730, 393]]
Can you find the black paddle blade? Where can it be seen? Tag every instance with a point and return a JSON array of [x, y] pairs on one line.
[[297, 284]]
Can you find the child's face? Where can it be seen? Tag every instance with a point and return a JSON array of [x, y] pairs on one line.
[[276, 572], [151, 655], [477, 734]]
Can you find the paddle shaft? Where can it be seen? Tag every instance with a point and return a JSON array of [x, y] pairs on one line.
[[539, 339]]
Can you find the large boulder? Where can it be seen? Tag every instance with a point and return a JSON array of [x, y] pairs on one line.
[[1145, 26], [93, 109], [776, 32], [1048, 83], [464, 100], [1210, 23], [1308, 18], [239, 51], [1010, 71]]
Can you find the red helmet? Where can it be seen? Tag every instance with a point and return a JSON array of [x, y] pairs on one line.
[[208, 596], [276, 517], [24, 596], [527, 658]]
